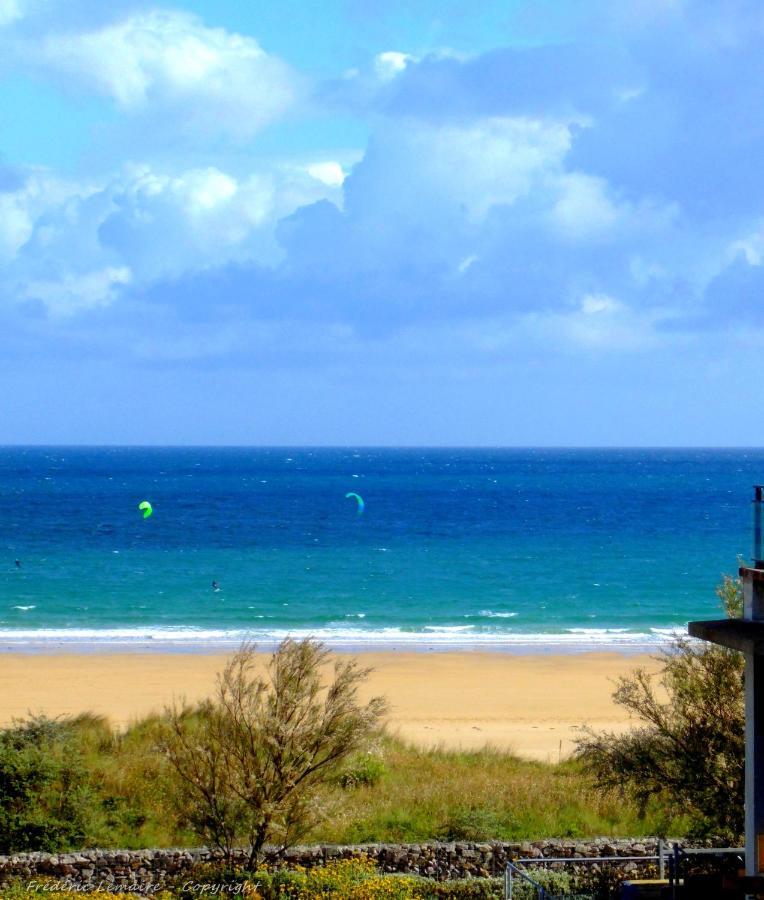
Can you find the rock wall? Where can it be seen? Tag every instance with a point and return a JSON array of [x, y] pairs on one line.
[[147, 870]]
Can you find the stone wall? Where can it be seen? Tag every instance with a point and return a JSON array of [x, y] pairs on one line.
[[441, 860]]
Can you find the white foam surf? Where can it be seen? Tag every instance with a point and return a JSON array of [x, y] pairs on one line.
[[339, 637], [490, 614]]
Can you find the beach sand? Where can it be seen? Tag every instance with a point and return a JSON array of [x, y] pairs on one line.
[[533, 705]]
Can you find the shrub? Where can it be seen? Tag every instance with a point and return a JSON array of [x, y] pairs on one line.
[[356, 880], [460, 889], [352, 879], [689, 753], [363, 769], [250, 761], [554, 883], [45, 797], [229, 882]]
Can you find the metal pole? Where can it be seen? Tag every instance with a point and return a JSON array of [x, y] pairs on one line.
[[753, 604], [583, 859], [661, 863]]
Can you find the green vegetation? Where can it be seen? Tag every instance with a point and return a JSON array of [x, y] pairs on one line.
[[281, 757], [286, 756], [689, 752], [347, 880], [355, 879], [475, 795], [44, 784], [123, 794], [22, 890], [249, 763]]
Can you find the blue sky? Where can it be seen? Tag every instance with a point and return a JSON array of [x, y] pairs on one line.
[[347, 222]]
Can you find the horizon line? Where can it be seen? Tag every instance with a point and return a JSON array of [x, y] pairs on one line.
[[279, 446]]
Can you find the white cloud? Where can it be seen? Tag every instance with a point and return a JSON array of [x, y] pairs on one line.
[[15, 225], [73, 292], [465, 264], [583, 207], [751, 247], [600, 323], [75, 246], [329, 172], [495, 161], [627, 94], [20, 209], [597, 304], [214, 80], [587, 209], [166, 225], [471, 166], [391, 63]]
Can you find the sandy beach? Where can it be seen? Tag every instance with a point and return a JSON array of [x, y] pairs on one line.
[[534, 705]]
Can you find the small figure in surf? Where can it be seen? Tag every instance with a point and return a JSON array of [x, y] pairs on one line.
[[215, 586], [18, 563]]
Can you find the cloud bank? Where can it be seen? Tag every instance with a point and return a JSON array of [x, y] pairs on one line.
[[595, 200]]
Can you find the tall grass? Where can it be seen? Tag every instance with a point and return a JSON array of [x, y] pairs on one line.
[[394, 792], [474, 795]]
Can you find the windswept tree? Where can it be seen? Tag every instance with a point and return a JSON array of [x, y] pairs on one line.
[[688, 753], [250, 760]]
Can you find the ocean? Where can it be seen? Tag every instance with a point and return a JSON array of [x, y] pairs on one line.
[[542, 550]]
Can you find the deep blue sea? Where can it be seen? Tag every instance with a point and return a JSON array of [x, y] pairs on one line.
[[541, 549]]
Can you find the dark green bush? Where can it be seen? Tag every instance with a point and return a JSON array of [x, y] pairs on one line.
[[45, 796]]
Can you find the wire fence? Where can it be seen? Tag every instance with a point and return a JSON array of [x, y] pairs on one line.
[[671, 864]]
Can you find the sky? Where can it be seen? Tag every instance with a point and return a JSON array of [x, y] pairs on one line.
[[346, 222]]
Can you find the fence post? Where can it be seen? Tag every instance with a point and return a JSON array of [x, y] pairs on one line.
[[661, 863], [671, 874], [675, 888]]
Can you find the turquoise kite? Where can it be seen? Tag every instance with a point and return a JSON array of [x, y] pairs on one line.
[[361, 504], [147, 508]]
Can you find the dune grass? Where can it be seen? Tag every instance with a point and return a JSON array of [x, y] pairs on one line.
[[394, 792], [475, 795]]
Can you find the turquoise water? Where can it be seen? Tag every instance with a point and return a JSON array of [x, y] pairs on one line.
[[519, 548]]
